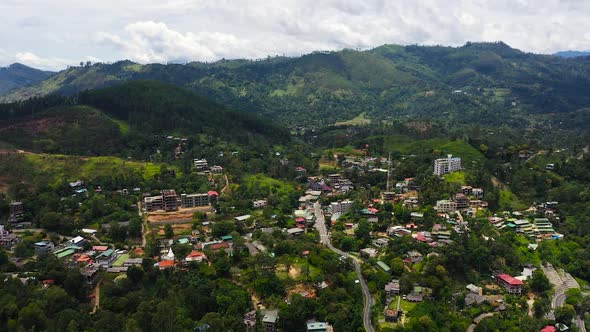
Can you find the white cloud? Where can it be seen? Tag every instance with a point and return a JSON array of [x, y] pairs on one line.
[[179, 30]]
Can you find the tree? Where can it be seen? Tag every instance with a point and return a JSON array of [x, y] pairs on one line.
[[135, 274], [565, 314], [168, 231], [539, 282]]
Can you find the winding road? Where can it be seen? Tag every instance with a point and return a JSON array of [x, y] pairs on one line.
[[320, 224], [562, 281]]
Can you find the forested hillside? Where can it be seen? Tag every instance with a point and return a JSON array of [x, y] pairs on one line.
[[132, 118], [18, 75], [487, 83]]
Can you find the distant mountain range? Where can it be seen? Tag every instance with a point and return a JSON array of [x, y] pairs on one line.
[[572, 54], [18, 75], [485, 83]]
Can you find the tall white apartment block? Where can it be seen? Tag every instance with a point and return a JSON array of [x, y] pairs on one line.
[[447, 165]]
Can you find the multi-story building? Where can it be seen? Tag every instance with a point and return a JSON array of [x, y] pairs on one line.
[[443, 166], [43, 247], [446, 206], [341, 206], [392, 288], [7, 239], [461, 200], [16, 209], [334, 178], [153, 203], [510, 284], [201, 164], [194, 200], [216, 169], [169, 200]]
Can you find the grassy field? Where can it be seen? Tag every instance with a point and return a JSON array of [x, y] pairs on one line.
[[359, 120], [406, 145], [509, 201], [455, 177]]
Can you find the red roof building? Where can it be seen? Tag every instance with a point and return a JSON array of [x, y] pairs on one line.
[[216, 246], [509, 283], [212, 193], [100, 248], [195, 256], [548, 328], [166, 264]]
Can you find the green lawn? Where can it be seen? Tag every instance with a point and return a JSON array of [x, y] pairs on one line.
[[359, 120], [455, 177]]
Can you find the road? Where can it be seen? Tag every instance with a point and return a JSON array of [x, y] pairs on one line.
[[320, 224], [478, 319], [561, 281]]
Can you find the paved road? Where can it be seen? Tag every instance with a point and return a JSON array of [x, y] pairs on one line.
[[320, 225], [562, 281]]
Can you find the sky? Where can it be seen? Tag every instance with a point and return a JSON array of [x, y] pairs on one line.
[[53, 34]]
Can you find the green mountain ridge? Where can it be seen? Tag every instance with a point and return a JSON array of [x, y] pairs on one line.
[[490, 80], [18, 75]]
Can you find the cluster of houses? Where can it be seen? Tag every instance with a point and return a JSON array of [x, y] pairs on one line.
[[168, 200], [525, 223], [333, 184], [270, 322], [202, 166], [469, 200]]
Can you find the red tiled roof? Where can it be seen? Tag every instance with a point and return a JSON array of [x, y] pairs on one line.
[[166, 263], [194, 254], [509, 280], [48, 282], [548, 328], [222, 245], [100, 248], [212, 193]]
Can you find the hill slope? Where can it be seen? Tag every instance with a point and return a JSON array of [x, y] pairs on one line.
[[18, 75], [493, 83], [128, 115]]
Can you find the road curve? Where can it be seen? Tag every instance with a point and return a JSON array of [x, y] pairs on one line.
[[320, 225]]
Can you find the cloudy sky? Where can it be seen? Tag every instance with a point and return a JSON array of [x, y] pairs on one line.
[[53, 34]]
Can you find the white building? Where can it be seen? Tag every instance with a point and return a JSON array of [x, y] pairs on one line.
[[194, 200], [201, 164], [446, 206], [447, 165]]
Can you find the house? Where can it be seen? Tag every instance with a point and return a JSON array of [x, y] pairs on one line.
[[319, 327], [7, 239], [165, 264], [474, 299], [392, 288], [548, 328], [384, 266], [443, 166], [270, 320], [392, 316], [243, 218], [77, 241], [474, 289], [368, 252], [195, 256], [510, 284], [216, 169], [295, 231], [219, 245], [414, 256], [249, 320], [550, 167], [461, 200], [89, 274], [43, 247], [261, 203], [194, 200], [381, 242]]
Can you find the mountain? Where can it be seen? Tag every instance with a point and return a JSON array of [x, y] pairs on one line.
[[111, 120], [485, 83], [572, 54], [18, 75]]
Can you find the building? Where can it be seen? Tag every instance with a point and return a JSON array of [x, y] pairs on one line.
[[510, 284], [194, 200], [443, 166], [446, 206], [260, 203], [270, 320], [388, 195], [170, 201], [7, 239], [153, 203], [319, 327], [77, 241], [341, 206], [392, 288], [16, 209], [334, 178], [369, 252], [89, 274], [216, 169], [43, 247], [414, 256], [201, 165], [461, 200]]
